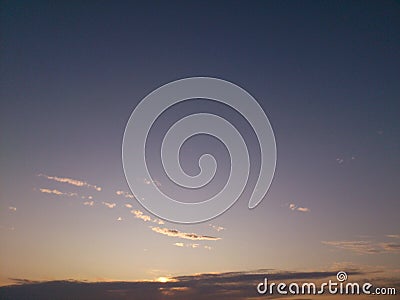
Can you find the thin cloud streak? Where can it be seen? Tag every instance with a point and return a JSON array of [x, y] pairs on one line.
[[293, 206], [184, 235], [109, 205], [359, 247], [57, 192], [365, 247], [60, 193], [71, 181], [140, 215], [303, 209], [393, 236], [190, 245], [391, 247]]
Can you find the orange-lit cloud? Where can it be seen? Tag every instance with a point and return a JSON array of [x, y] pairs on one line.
[[293, 206], [109, 205], [184, 235], [140, 215], [57, 192], [217, 228], [89, 203], [60, 193], [128, 205], [125, 194], [71, 181], [303, 209]]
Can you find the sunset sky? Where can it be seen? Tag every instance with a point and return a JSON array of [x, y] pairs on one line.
[[325, 73]]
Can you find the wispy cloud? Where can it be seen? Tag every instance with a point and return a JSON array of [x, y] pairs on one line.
[[339, 160], [303, 209], [360, 247], [189, 245], [71, 181], [109, 205], [88, 203], [217, 228], [140, 215], [156, 182], [293, 206], [125, 194], [391, 247], [12, 208], [12, 228], [57, 192], [364, 247], [393, 236], [60, 193], [184, 235]]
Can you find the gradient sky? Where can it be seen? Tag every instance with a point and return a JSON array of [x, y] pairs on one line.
[[326, 74]]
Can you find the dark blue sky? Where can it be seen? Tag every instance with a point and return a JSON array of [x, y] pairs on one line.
[[326, 73]]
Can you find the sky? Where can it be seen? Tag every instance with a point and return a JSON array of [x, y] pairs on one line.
[[325, 73]]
